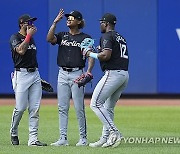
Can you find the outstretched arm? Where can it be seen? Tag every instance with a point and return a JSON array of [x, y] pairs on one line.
[[50, 36], [105, 55]]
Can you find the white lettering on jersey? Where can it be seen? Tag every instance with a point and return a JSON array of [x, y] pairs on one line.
[[32, 46], [119, 38], [123, 49], [73, 43]]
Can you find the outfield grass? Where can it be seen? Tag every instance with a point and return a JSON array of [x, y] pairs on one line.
[[132, 121]]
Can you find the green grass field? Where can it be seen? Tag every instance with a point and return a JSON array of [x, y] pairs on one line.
[[133, 121]]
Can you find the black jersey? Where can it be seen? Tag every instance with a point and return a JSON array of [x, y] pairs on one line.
[[69, 52], [28, 60], [119, 60]]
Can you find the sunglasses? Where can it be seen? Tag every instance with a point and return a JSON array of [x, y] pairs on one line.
[[102, 22], [71, 18]]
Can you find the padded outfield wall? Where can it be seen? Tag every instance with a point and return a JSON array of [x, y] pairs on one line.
[[150, 31]]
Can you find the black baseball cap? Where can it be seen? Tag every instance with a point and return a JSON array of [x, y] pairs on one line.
[[26, 17], [108, 17], [75, 14]]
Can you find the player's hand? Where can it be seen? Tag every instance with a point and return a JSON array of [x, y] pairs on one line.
[[88, 52], [31, 30], [59, 16]]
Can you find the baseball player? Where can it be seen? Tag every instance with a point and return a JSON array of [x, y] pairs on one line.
[[71, 63], [113, 57], [26, 80]]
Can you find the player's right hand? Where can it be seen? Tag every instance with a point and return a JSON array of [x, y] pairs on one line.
[[31, 30], [59, 16]]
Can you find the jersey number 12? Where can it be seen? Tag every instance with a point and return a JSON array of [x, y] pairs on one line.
[[123, 50]]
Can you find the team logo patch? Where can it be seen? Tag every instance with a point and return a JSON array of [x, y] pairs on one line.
[[104, 43], [14, 42]]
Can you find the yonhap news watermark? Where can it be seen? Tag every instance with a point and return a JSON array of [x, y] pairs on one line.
[[151, 140]]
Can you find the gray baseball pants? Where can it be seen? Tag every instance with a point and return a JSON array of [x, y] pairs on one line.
[[105, 95], [67, 89], [28, 92]]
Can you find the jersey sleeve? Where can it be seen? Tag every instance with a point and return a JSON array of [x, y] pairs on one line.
[[106, 42], [84, 36], [14, 42], [88, 36], [59, 37]]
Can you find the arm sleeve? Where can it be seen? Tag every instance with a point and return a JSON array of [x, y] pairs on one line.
[[59, 37], [14, 42], [106, 42]]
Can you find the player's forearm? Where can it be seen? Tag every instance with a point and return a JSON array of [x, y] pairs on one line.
[[51, 32], [22, 48], [91, 62], [103, 57]]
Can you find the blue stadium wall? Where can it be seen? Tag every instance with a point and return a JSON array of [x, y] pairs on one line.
[[148, 26]]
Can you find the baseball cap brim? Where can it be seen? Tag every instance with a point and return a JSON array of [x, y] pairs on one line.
[[67, 15], [101, 19], [32, 19]]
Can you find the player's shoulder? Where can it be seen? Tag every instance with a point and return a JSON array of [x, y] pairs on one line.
[[85, 35], [116, 36], [63, 33], [15, 36], [111, 33], [108, 35], [119, 37]]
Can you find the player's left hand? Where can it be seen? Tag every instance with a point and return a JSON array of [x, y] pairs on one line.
[[84, 79], [46, 86], [86, 46]]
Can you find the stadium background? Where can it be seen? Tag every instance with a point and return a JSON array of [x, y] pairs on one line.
[[149, 27]]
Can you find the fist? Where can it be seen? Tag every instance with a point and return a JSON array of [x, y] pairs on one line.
[[31, 30]]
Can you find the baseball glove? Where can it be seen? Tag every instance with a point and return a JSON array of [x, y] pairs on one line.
[[86, 45], [46, 86], [83, 79]]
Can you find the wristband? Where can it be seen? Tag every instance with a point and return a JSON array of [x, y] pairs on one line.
[[28, 38], [93, 55]]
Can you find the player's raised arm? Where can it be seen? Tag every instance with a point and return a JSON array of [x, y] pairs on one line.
[[22, 48], [50, 36]]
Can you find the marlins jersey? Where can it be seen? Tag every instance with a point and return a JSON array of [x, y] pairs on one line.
[[69, 52], [28, 60], [117, 44]]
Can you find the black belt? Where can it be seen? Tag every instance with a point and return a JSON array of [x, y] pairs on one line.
[[71, 69], [27, 69]]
